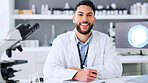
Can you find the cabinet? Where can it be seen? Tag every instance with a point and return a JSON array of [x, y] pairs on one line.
[[36, 58]]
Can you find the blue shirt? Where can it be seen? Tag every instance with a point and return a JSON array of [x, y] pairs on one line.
[[83, 48]]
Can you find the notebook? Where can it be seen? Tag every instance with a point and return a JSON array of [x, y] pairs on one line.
[[94, 81]]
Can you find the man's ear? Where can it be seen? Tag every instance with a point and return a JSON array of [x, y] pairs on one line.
[[94, 20], [73, 18]]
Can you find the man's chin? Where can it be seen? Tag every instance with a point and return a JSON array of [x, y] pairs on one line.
[[84, 30], [84, 27], [85, 33]]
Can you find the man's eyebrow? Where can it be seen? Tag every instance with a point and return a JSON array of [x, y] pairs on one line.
[[87, 13], [80, 12], [90, 13]]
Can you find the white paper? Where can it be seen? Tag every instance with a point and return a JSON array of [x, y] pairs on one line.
[[94, 81]]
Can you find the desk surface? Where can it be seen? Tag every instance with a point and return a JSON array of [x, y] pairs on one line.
[[122, 79], [114, 80]]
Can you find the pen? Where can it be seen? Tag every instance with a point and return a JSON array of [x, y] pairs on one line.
[[102, 81]]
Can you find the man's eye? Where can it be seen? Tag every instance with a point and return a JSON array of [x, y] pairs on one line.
[[89, 15], [80, 14]]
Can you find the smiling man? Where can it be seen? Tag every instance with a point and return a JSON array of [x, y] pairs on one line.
[[82, 54]]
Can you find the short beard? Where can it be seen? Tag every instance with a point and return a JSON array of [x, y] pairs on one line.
[[84, 33]]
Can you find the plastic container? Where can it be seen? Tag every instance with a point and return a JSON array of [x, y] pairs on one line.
[[144, 9], [67, 6], [33, 9], [120, 12], [138, 7], [134, 9], [116, 12], [43, 9], [46, 9], [104, 12], [124, 12], [114, 6]]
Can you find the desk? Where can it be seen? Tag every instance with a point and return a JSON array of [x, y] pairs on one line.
[[113, 80], [122, 79], [36, 57]]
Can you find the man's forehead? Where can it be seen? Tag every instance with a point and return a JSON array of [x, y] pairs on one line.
[[84, 9]]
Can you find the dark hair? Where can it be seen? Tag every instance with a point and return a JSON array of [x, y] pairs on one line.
[[85, 2]]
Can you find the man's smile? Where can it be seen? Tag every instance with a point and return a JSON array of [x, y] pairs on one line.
[[85, 25]]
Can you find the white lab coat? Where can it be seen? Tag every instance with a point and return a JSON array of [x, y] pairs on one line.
[[64, 54]]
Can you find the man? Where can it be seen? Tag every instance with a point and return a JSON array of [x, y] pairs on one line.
[[82, 54]]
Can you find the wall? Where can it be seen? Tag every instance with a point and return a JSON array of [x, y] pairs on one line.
[[4, 18], [65, 25]]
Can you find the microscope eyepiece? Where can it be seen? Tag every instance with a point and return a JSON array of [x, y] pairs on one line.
[[27, 30]]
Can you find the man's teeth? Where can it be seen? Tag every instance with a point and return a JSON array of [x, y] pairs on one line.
[[84, 24]]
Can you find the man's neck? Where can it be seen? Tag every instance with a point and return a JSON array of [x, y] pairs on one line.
[[83, 38]]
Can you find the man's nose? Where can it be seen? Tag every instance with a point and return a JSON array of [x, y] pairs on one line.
[[84, 18]]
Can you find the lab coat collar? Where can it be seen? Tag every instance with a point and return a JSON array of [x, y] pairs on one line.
[[72, 36], [78, 41], [92, 50], [74, 49]]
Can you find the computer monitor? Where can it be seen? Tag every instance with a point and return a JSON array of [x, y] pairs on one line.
[[131, 35]]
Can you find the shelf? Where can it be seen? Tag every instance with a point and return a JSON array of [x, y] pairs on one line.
[[43, 17], [69, 17]]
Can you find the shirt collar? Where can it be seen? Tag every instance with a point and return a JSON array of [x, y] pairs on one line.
[[78, 41]]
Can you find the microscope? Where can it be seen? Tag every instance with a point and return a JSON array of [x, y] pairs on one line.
[[11, 43]]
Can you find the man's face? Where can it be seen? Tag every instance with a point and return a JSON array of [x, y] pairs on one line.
[[84, 19]]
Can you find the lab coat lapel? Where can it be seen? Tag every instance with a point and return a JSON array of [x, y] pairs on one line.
[[73, 45], [92, 51]]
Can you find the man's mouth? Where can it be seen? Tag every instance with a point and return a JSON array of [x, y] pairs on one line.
[[84, 24]]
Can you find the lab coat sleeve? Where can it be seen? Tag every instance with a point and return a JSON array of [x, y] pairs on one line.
[[54, 67], [111, 66]]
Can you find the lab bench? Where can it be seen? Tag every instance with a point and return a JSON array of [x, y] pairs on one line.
[[36, 57]]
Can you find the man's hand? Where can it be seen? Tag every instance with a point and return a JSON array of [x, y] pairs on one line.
[[84, 75], [74, 68]]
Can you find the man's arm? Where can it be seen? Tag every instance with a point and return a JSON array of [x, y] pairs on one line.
[[54, 67], [111, 66]]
